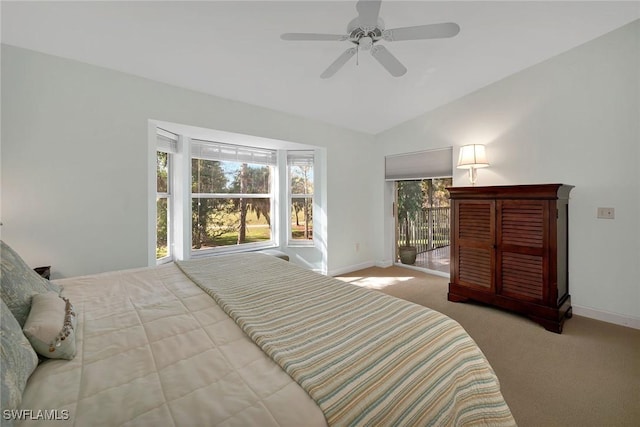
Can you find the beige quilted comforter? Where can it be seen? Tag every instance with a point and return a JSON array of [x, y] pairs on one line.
[[155, 349]]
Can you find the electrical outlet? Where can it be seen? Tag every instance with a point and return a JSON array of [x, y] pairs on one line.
[[606, 213]]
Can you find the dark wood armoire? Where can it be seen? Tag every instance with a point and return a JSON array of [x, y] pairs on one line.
[[509, 249]]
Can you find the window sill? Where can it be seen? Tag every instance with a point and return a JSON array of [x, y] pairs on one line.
[[164, 260], [302, 244], [232, 249]]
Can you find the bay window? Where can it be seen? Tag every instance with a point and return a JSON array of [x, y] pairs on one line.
[[216, 197]]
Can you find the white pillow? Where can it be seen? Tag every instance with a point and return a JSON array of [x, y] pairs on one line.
[[50, 326]]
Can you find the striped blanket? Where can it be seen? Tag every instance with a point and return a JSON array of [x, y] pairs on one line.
[[364, 357]]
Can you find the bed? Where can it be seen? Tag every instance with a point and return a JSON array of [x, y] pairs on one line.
[[252, 340]]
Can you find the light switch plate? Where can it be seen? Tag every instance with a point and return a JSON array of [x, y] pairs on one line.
[[606, 213]]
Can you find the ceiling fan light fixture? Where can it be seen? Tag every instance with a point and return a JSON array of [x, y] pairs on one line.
[[365, 43]]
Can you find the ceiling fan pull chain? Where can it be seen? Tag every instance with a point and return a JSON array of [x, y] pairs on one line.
[[357, 55]]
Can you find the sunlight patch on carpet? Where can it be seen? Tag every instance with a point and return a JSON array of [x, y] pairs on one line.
[[374, 282]]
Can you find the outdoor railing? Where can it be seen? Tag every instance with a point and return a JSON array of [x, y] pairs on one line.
[[428, 230]]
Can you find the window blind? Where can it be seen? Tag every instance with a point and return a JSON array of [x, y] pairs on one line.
[[419, 165], [167, 141], [300, 158], [209, 150]]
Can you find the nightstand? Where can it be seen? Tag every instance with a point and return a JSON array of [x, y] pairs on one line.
[[44, 271]]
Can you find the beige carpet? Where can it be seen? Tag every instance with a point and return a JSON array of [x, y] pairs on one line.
[[587, 376]]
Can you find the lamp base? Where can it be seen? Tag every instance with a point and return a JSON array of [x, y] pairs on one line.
[[473, 175]]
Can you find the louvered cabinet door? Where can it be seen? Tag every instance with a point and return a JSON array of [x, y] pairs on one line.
[[474, 234], [522, 261]]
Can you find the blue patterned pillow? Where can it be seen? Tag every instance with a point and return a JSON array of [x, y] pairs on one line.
[[19, 283], [17, 358]]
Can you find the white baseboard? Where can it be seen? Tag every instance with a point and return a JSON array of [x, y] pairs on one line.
[[605, 316], [350, 268], [384, 264]]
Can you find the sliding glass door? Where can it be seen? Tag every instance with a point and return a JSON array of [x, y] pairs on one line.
[[421, 207], [422, 223]]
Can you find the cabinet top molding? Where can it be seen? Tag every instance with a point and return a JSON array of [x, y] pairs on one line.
[[533, 191]]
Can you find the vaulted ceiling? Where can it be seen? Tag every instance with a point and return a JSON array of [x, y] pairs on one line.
[[233, 49]]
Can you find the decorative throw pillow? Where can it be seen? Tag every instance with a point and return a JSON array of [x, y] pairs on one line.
[[17, 358], [19, 283], [50, 326]]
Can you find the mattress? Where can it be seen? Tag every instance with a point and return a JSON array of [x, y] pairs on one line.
[[252, 340]]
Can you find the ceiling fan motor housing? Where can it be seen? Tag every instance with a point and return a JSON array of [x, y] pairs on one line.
[[364, 36]]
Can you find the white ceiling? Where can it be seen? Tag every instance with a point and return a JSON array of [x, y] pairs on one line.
[[233, 50]]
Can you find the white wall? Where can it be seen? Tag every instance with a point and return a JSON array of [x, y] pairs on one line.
[[573, 119], [74, 162]]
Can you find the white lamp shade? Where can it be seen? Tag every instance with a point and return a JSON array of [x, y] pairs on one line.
[[472, 156]]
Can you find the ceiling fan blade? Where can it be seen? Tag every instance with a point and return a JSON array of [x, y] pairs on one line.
[[338, 63], [422, 32], [368, 12], [388, 61], [313, 37]]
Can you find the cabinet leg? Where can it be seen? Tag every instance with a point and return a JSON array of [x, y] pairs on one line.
[[554, 328], [569, 313], [456, 298], [549, 325]]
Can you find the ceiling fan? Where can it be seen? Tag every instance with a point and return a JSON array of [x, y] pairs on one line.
[[367, 29]]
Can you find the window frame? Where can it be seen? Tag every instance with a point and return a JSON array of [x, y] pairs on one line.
[[195, 253], [244, 154], [166, 142], [296, 158]]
